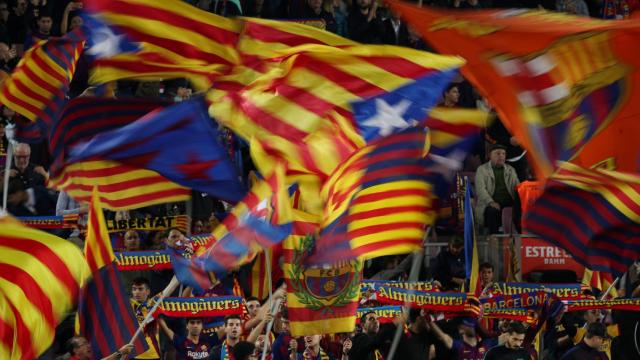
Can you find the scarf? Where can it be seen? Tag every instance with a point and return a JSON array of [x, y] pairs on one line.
[[225, 354], [306, 355]]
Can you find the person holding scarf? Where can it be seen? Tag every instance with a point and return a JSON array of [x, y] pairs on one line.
[[233, 331], [312, 350]]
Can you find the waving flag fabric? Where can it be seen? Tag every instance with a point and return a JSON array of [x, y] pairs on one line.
[[567, 86], [393, 111], [378, 202], [293, 94], [105, 316], [38, 85], [320, 300], [601, 281], [40, 280], [241, 236], [179, 142], [592, 214], [177, 40], [452, 134], [120, 186], [472, 264]]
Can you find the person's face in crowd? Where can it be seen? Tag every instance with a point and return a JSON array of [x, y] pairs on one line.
[[8, 113], [503, 324], [198, 227], [498, 157], [486, 275], [468, 331], [140, 292], [452, 96], [21, 156], [132, 240], [315, 5], [159, 238], [122, 215], [252, 308], [515, 340], [371, 324], [82, 350], [592, 316], [21, 7], [364, 4], [44, 24], [456, 249], [260, 343], [174, 237], [311, 341], [76, 22], [4, 11], [284, 325], [194, 327], [595, 342], [5, 52], [233, 329]]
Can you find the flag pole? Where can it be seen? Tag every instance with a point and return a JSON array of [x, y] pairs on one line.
[[413, 276], [9, 132], [274, 310], [173, 284], [276, 306], [610, 288]]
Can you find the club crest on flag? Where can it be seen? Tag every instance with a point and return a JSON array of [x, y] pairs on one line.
[[569, 91], [321, 288]]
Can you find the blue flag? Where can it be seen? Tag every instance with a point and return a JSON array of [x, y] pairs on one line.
[[179, 142], [406, 106], [470, 246]]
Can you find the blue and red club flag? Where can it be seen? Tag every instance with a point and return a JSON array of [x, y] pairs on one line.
[[180, 142], [105, 316], [593, 214], [472, 266], [37, 87], [120, 186], [378, 202]]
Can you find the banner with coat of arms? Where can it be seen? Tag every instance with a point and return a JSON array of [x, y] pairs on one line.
[[321, 300]]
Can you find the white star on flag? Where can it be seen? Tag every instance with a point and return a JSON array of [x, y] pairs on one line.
[[105, 43], [388, 117]]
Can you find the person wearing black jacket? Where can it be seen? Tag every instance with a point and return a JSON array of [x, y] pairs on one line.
[[373, 342]]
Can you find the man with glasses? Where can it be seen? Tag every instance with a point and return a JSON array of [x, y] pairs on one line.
[[30, 175]]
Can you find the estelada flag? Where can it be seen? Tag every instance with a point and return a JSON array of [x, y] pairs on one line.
[[566, 87]]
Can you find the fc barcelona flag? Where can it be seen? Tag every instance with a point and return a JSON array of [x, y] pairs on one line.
[[593, 214], [320, 300], [566, 87], [378, 202], [105, 317]]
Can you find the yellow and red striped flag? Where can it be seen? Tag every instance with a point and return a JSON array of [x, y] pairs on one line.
[[40, 280], [176, 39]]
